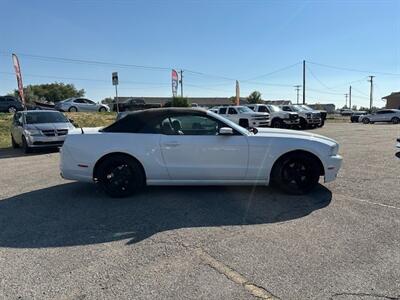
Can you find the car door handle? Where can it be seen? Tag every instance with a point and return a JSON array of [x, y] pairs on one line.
[[171, 144]]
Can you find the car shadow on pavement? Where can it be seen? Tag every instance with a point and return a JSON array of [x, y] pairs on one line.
[[11, 152], [78, 214]]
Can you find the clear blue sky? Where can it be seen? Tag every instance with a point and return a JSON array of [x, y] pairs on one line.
[[233, 39]]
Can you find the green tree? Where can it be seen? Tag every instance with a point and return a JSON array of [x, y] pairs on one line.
[[177, 102], [108, 100], [52, 92], [254, 97]]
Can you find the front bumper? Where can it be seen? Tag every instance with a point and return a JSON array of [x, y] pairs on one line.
[[313, 121], [45, 141], [259, 123], [291, 122], [332, 166]]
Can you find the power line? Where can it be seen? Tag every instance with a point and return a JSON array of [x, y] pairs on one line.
[[353, 70], [273, 72]]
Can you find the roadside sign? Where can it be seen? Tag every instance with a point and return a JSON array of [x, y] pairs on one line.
[[115, 78], [174, 77]]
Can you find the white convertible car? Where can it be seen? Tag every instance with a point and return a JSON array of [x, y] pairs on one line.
[[189, 146]]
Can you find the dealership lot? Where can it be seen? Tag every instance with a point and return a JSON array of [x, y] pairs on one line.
[[62, 239]]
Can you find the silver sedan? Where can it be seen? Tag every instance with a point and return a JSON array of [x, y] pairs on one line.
[[80, 104]]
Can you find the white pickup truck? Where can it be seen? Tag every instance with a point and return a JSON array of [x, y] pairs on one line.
[[308, 118], [244, 116], [278, 117]]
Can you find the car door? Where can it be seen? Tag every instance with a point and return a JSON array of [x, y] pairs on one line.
[[193, 150], [3, 104], [379, 116], [233, 115], [16, 127], [90, 105]]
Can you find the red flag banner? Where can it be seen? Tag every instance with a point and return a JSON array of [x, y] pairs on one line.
[[174, 77], [19, 77]]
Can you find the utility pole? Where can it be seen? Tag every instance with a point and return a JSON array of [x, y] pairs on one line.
[[346, 99], [371, 90], [350, 97], [304, 82], [181, 81], [297, 90]]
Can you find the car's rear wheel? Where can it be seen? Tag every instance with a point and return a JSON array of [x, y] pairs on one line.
[[72, 109], [395, 120], [120, 175], [25, 146], [12, 109], [102, 109], [366, 121], [296, 173], [14, 143]]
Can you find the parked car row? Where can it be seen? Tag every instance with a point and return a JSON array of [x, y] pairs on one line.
[[266, 115]]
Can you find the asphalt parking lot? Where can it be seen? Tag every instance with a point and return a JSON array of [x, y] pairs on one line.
[[66, 240]]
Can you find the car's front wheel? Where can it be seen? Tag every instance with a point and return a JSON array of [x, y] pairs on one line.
[[12, 109], [120, 175], [102, 109], [395, 120], [296, 173], [277, 123], [303, 123], [14, 143], [366, 121], [72, 109], [25, 146]]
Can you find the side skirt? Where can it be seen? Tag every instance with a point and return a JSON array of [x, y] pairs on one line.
[[206, 182]]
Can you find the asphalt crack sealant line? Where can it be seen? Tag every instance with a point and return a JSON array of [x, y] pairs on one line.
[[234, 276]]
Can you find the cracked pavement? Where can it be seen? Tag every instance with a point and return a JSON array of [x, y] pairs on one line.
[[66, 240]]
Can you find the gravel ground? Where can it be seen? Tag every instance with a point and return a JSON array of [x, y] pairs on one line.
[[66, 240]]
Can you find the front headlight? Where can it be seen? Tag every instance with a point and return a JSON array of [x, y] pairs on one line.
[[334, 149], [33, 132]]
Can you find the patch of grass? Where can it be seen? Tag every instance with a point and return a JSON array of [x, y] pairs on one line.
[[80, 119], [5, 124]]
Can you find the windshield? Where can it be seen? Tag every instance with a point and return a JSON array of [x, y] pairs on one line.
[[45, 117], [298, 108], [274, 108], [244, 109]]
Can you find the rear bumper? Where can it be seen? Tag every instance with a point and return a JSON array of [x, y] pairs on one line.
[[73, 170], [332, 166]]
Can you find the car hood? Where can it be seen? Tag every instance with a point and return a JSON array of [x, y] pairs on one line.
[[49, 126], [293, 133]]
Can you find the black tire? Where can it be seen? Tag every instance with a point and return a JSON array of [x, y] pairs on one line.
[[320, 125], [244, 123], [366, 121], [277, 123], [296, 173], [120, 176], [395, 120], [72, 109], [25, 146], [303, 124], [14, 143], [102, 109], [12, 109]]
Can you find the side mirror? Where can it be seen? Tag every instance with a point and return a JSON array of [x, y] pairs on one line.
[[225, 131], [71, 121]]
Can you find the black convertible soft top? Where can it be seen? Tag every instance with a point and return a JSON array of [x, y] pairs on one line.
[[144, 121]]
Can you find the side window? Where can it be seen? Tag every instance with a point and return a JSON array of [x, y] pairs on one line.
[[17, 119], [232, 111], [263, 109], [2, 99], [87, 101], [286, 108], [251, 107], [222, 110], [79, 101], [190, 125]]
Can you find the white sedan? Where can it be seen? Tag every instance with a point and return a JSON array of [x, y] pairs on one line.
[[189, 146]]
